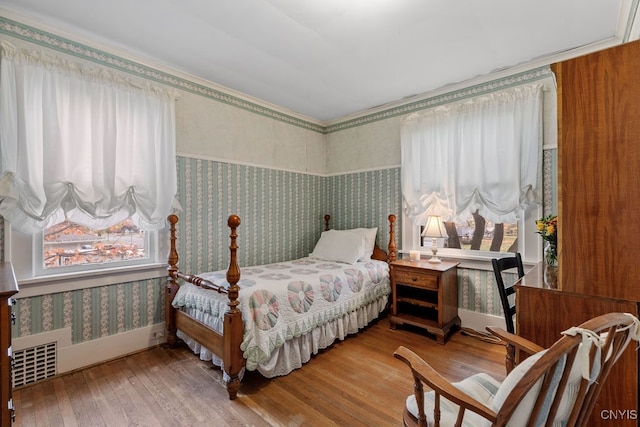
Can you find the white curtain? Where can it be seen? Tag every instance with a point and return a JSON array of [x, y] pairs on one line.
[[82, 144], [481, 154]]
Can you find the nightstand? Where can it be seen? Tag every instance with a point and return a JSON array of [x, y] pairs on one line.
[[425, 295]]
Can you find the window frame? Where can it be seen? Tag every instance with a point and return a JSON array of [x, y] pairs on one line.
[[40, 271], [20, 250], [529, 243]]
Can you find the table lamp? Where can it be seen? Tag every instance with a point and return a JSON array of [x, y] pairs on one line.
[[434, 229]]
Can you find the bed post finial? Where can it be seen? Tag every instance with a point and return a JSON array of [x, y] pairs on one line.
[[326, 222], [233, 273], [233, 325], [392, 238], [172, 284]]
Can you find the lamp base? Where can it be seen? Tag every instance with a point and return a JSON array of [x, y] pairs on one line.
[[434, 249]]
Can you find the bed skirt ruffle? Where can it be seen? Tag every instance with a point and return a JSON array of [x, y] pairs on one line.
[[298, 350]]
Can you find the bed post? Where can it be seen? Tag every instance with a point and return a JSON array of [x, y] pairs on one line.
[[326, 222], [233, 325], [172, 284], [392, 238]]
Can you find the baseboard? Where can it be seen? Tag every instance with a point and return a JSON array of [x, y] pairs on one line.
[[75, 356], [479, 321]]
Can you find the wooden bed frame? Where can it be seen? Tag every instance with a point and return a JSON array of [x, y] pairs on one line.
[[227, 344]]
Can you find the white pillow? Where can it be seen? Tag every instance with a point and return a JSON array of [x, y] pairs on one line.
[[369, 235], [339, 246]]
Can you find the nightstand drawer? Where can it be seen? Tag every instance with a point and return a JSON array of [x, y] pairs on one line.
[[427, 281]]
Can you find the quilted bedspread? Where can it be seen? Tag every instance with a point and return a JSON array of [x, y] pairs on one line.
[[288, 299]]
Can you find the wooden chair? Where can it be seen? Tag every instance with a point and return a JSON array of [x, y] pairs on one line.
[[559, 384], [500, 265], [509, 308]]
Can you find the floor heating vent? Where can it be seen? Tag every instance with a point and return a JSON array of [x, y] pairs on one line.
[[34, 364]]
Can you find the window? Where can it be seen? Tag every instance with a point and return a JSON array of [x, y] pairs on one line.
[[28, 254], [69, 244], [84, 151], [519, 236], [477, 164], [480, 235]]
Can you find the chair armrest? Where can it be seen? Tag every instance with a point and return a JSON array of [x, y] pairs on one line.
[[518, 342], [439, 384]]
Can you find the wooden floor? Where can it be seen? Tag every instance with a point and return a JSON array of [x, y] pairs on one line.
[[355, 382]]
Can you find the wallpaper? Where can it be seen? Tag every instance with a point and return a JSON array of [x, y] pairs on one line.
[[92, 313], [280, 212], [281, 218], [366, 199]]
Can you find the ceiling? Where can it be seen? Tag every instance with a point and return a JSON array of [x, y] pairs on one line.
[[327, 59]]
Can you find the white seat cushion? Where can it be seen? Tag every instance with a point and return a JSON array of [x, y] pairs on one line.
[[520, 415], [481, 387]]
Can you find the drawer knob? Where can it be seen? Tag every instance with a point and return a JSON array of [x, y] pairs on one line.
[[414, 279]]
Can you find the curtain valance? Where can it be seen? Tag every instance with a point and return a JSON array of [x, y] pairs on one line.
[[481, 155], [83, 144]]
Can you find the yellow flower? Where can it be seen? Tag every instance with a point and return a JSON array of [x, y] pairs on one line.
[[547, 227]]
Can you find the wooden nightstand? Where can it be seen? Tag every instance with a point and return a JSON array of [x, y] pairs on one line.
[[425, 295]]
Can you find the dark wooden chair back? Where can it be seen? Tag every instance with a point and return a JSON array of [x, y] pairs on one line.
[[500, 265]]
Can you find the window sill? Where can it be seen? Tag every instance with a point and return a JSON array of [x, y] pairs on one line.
[[88, 279], [470, 261]]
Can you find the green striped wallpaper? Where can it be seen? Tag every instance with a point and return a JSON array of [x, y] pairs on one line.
[[477, 291], [280, 212], [282, 218], [365, 199], [92, 313]]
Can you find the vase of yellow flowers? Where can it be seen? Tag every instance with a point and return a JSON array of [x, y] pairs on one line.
[[548, 229]]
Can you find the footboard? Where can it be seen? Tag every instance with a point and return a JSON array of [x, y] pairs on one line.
[[227, 344]]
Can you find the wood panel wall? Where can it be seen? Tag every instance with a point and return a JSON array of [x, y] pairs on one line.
[[599, 172], [544, 313]]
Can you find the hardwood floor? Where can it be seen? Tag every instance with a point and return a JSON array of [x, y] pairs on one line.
[[355, 382]]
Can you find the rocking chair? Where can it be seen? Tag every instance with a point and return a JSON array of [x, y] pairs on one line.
[[559, 384]]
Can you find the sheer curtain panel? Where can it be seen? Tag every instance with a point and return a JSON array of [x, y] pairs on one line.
[[481, 154], [82, 144]]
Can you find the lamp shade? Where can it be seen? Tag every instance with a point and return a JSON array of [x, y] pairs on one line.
[[434, 227]]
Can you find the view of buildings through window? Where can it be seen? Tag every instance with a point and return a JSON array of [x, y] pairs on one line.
[[480, 234], [67, 244]]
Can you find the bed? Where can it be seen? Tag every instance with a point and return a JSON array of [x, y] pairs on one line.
[[277, 316]]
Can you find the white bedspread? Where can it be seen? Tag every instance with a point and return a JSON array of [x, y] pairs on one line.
[[283, 301]]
